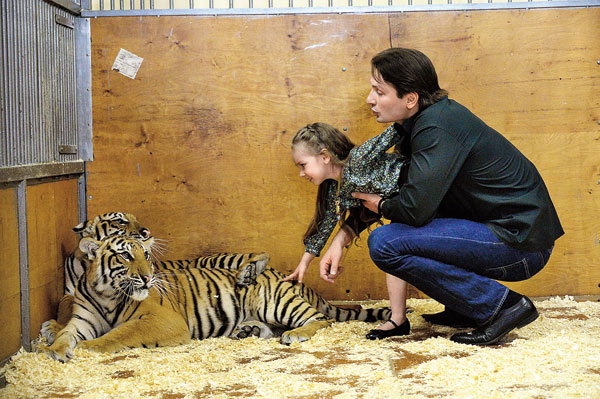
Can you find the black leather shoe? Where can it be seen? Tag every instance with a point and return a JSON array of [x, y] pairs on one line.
[[402, 329], [517, 316], [450, 318]]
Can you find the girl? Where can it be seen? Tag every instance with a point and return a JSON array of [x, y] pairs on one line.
[[328, 159]]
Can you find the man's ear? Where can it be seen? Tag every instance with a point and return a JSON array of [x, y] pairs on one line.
[[412, 100], [89, 246]]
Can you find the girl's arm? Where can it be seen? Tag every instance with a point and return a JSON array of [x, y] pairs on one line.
[[316, 242]]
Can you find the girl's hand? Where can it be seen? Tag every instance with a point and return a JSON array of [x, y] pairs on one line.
[[301, 269], [369, 201]]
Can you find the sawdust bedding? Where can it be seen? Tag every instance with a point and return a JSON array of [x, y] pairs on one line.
[[557, 356]]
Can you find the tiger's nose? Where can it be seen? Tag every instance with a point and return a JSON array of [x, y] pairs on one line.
[[145, 232], [145, 278]]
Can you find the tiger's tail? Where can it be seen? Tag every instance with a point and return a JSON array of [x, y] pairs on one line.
[[343, 314]]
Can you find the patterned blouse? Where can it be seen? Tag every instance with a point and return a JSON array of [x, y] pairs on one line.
[[368, 169]]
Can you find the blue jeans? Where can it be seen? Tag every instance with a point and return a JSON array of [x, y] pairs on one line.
[[455, 262]]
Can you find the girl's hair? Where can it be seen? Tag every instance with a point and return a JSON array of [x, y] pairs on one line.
[[408, 71], [320, 138]]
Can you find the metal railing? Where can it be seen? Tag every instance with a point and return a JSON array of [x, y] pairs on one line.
[[195, 7]]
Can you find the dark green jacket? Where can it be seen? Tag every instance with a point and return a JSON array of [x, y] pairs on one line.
[[462, 168]]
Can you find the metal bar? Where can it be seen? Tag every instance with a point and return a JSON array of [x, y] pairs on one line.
[[83, 60], [82, 195], [191, 4], [24, 265], [3, 80], [68, 5], [346, 10], [23, 172]]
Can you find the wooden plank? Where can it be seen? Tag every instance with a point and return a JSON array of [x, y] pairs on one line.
[[197, 145], [51, 212], [10, 305], [535, 79]]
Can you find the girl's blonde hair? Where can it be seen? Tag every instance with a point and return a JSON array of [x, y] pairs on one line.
[[321, 138]]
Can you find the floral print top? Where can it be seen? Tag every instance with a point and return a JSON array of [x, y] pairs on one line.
[[368, 169]]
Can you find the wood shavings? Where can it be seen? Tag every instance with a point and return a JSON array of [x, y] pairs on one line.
[[558, 356]]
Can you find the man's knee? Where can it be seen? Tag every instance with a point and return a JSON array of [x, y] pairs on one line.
[[379, 248]]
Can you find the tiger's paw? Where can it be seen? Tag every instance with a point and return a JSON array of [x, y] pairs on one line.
[[252, 329], [248, 273], [94, 346], [303, 333], [61, 353], [49, 330]]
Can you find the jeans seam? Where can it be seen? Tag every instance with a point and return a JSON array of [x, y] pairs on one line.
[[453, 238], [493, 316]]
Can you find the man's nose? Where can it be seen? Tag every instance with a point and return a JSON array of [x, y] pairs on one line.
[[370, 99]]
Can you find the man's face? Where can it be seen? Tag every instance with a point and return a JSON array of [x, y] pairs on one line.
[[384, 102]]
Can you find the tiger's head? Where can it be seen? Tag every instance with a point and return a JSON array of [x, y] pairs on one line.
[[117, 224], [113, 224], [121, 267]]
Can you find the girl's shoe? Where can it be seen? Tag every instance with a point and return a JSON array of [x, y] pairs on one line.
[[402, 329]]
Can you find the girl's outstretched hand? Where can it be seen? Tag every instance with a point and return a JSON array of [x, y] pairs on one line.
[[301, 269], [298, 274]]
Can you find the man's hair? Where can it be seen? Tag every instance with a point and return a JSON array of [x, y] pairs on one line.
[[408, 71]]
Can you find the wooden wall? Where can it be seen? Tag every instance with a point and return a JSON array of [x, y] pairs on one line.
[[10, 295], [197, 145], [52, 212]]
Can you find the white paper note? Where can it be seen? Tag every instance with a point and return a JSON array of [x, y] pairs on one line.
[[127, 63]]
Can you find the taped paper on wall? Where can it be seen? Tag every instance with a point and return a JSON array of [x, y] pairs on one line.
[[127, 63]]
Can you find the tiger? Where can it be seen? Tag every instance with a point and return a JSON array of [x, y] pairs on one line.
[[123, 301], [100, 227]]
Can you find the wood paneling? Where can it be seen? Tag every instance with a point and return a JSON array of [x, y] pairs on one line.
[[10, 298], [197, 145], [52, 212], [536, 80]]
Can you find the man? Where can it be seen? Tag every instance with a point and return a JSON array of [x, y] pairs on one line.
[[472, 210]]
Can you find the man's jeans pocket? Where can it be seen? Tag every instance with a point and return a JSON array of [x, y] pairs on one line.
[[524, 269]]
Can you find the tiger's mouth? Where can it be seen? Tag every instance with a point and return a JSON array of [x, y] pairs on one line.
[[136, 290], [140, 294]]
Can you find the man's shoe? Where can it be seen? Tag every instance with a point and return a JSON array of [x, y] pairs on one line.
[[516, 316], [450, 318], [402, 329]]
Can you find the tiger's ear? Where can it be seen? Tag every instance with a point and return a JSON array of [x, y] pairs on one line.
[[84, 229], [89, 246]]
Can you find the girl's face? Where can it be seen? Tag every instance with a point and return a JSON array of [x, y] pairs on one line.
[[314, 168], [385, 104]]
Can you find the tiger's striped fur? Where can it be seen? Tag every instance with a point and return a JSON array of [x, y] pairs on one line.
[[100, 227], [123, 302]]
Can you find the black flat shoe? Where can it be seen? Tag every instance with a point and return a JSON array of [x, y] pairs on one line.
[[402, 329], [450, 318], [517, 316]]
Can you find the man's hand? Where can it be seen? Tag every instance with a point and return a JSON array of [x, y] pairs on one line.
[[369, 201]]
